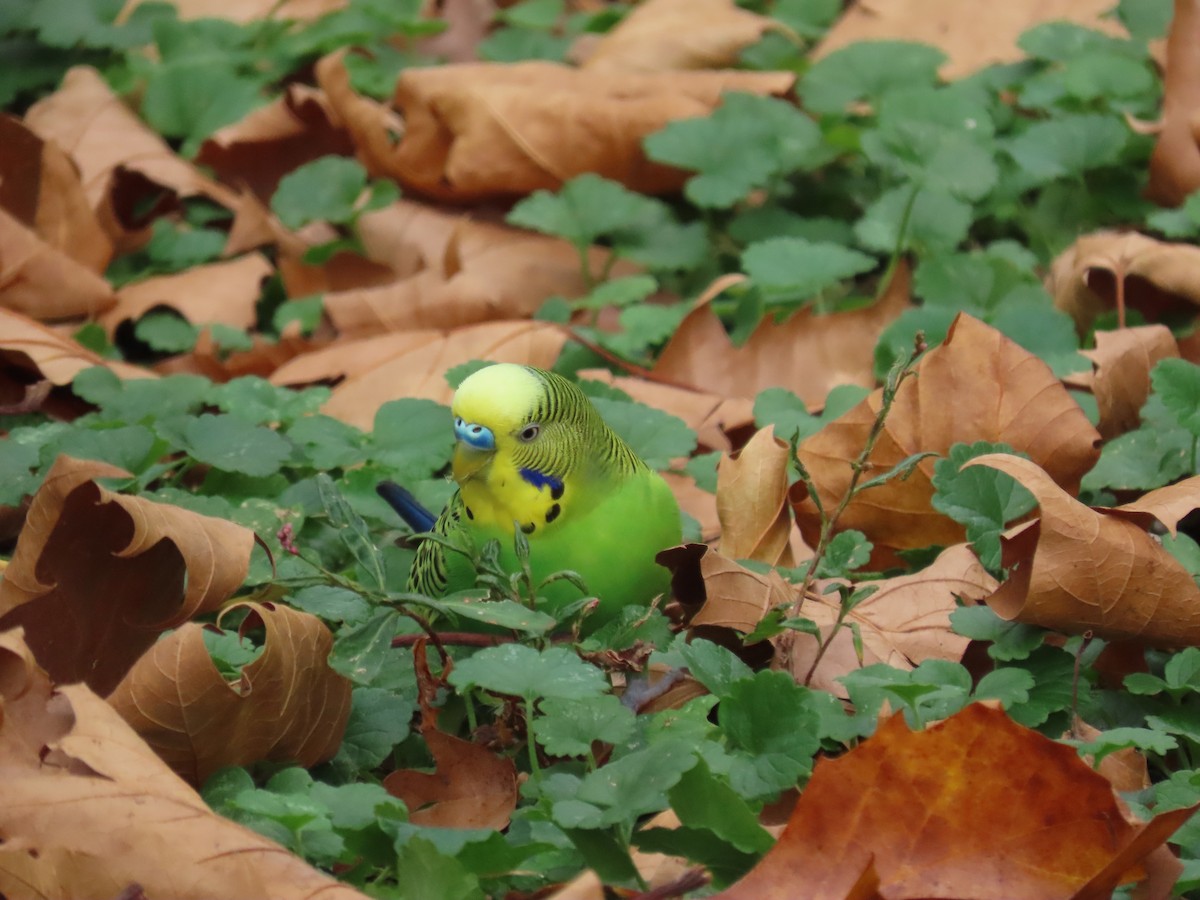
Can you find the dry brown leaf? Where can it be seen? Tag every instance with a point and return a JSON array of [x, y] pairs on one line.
[[207, 358], [30, 352], [109, 143], [656, 869], [87, 809], [1110, 269], [1124, 769], [223, 293], [415, 364], [45, 283], [97, 576], [489, 130], [471, 787], [1175, 163], [988, 35], [287, 706], [1081, 569], [808, 353], [752, 494], [977, 386], [666, 35], [698, 503], [273, 140], [728, 595], [40, 187], [450, 271], [1121, 382], [930, 809], [905, 622]]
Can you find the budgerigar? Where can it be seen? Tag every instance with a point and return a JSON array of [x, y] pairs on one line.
[[531, 451]]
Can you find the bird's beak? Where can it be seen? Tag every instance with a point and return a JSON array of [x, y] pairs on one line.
[[468, 460], [474, 447]]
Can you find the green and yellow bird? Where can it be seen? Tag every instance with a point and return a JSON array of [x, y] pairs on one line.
[[532, 452]]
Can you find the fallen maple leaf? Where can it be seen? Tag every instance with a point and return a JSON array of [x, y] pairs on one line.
[[471, 787], [971, 42], [109, 142], [481, 130], [37, 351], [444, 271], [1175, 163], [752, 492], [1082, 569], [97, 576], [43, 282], [807, 353], [975, 807], [727, 595], [87, 809], [905, 622], [216, 293], [977, 386], [271, 141], [1121, 381], [414, 364], [40, 187], [1110, 269], [287, 706], [668, 35]]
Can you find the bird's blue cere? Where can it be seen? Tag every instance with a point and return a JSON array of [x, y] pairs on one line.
[[473, 435]]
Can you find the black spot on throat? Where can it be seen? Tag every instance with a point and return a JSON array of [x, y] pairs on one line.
[[470, 515], [556, 492], [552, 513], [528, 528]]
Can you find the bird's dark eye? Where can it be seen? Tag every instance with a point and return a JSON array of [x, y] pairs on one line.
[[529, 432]]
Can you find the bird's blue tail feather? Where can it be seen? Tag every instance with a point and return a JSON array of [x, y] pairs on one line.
[[407, 506]]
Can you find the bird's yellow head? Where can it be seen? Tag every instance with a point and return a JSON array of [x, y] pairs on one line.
[[498, 412]]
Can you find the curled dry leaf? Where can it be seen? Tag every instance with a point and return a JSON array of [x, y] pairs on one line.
[[273, 140], [929, 809], [728, 595], [471, 787], [415, 364], [1081, 569], [450, 271], [1125, 769], [110, 144], [977, 386], [216, 293], [488, 130], [752, 493], [87, 809], [698, 503], [1175, 163], [97, 576], [43, 282], [989, 35], [1121, 383], [40, 187], [287, 706], [665, 35], [209, 359], [905, 622], [808, 353], [1110, 269], [656, 869], [31, 350]]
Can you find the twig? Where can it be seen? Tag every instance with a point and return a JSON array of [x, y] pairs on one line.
[[690, 880], [456, 638]]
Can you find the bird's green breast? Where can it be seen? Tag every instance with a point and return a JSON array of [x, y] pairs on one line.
[[609, 534]]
